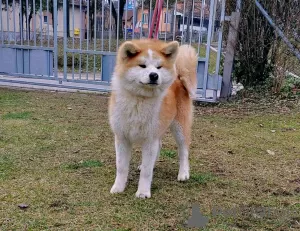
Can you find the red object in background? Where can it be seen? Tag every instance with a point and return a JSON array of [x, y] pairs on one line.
[[156, 19]]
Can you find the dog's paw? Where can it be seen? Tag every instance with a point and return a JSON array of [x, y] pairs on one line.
[[117, 189], [183, 176], [143, 194]]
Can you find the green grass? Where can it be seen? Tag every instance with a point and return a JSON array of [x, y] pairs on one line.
[[6, 166], [61, 163], [17, 115], [84, 164], [202, 178], [168, 153]]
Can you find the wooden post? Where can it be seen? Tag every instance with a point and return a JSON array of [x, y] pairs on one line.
[[229, 58]]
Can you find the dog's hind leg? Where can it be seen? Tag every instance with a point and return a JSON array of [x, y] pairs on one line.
[[123, 154]]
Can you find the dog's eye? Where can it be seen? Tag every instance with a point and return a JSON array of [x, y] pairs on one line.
[[142, 66], [159, 67]]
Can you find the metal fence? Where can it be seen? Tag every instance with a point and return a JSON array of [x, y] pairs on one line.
[[73, 43]]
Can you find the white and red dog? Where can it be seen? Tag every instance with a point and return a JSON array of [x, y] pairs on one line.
[[152, 85]]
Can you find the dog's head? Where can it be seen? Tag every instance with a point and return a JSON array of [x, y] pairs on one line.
[[146, 67]]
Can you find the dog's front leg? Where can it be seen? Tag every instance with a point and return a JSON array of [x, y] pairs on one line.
[[149, 155], [123, 154]]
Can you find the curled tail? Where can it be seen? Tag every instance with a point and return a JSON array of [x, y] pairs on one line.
[[186, 67]]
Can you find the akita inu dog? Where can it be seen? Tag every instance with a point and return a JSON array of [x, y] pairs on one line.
[[152, 88]]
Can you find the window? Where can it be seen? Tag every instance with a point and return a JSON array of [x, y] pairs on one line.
[[145, 19], [45, 19]]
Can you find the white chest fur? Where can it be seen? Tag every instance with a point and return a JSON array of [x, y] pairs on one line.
[[135, 118]]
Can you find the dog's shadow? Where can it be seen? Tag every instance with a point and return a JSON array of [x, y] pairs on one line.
[[164, 176]]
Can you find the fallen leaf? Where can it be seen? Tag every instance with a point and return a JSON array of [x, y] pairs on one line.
[[23, 206], [270, 152], [288, 129], [295, 181]]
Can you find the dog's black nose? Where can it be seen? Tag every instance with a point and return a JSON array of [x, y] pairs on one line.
[[153, 77]]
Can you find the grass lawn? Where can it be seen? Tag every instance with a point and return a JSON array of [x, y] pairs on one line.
[[57, 159]]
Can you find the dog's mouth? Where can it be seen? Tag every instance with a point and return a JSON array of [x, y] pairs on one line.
[[149, 84]]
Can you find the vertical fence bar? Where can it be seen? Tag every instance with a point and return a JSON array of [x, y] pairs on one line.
[[214, 20], [65, 37], [191, 32], [150, 15], [133, 18], [142, 20], [73, 38], [41, 23], [210, 25], [21, 21], [109, 41], [118, 25], [27, 25], [126, 14], [175, 17], [1, 25], [95, 35], [7, 20], [220, 37], [87, 39], [80, 38], [55, 38], [102, 22], [34, 25], [167, 20], [183, 16], [14, 16], [201, 25], [48, 30], [21, 29]]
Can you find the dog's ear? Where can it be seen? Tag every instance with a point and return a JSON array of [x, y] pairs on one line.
[[129, 50], [170, 50]]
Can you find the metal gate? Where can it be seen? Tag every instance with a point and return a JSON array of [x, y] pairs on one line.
[[73, 43]]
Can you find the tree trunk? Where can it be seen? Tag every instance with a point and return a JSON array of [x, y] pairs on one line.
[[26, 27], [68, 18], [189, 21], [92, 19], [21, 27], [115, 15], [187, 37], [29, 21]]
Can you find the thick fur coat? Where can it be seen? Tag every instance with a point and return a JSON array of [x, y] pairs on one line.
[[152, 88]]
